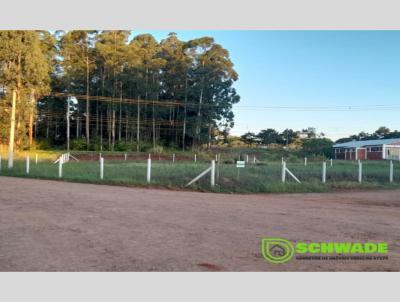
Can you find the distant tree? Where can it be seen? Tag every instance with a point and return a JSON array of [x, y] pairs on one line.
[[268, 136], [394, 134], [311, 132], [249, 138], [175, 77], [175, 93], [287, 137], [24, 71], [318, 146], [77, 50], [114, 57], [224, 132], [150, 64], [42, 56], [382, 131], [214, 75], [363, 135]]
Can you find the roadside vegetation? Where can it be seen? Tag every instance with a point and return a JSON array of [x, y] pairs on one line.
[[124, 95], [261, 174]]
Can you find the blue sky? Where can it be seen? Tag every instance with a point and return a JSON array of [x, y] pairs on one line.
[[309, 69]]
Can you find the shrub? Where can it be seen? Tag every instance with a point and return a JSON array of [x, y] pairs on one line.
[[157, 150], [78, 144], [41, 145], [122, 146]]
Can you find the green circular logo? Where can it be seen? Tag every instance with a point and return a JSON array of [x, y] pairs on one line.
[[277, 250]]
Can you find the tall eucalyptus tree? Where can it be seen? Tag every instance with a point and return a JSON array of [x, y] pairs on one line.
[[78, 62]]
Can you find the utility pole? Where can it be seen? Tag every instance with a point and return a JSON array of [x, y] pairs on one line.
[[287, 139], [184, 116], [12, 132], [87, 103], [138, 126], [77, 122], [68, 125]]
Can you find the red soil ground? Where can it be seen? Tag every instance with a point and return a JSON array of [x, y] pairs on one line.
[[60, 226]]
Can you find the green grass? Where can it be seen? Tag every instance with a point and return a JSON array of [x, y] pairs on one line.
[[254, 178], [21, 155]]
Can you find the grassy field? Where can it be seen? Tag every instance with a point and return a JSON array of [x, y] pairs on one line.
[[227, 155], [260, 177]]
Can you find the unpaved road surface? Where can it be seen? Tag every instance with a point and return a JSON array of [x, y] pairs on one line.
[[60, 226]]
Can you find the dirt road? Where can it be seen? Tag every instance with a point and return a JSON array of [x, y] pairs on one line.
[[59, 226]]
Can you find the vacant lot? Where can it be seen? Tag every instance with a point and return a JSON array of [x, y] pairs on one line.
[[59, 226], [260, 177]]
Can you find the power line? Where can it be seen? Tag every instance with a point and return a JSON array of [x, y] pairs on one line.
[[105, 119], [175, 103]]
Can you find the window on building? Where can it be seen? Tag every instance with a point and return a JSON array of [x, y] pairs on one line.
[[375, 149]]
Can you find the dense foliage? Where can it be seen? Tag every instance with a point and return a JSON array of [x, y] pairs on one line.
[[122, 91], [380, 133], [306, 140]]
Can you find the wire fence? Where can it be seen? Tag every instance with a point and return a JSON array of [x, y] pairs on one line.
[[177, 171]]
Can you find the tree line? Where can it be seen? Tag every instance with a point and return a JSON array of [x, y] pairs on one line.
[[308, 141], [112, 90], [380, 133], [273, 137]]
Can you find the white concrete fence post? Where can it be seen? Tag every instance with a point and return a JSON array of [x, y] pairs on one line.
[[10, 163], [36, 159], [247, 158], [391, 172], [359, 171], [213, 173], [331, 162], [217, 168], [125, 156], [60, 164], [305, 161], [148, 170], [101, 168], [195, 157], [254, 159], [283, 171], [27, 164], [173, 157], [324, 172]]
